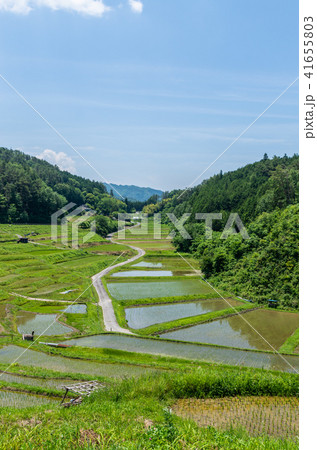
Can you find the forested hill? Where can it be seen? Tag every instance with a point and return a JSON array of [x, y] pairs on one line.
[[32, 189], [133, 193], [255, 188], [265, 195]]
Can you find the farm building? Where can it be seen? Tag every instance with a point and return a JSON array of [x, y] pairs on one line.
[[23, 240]]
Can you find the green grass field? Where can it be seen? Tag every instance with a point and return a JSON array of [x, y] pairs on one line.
[[44, 269]]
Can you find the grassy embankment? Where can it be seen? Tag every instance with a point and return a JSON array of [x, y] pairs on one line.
[[134, 414], [291, 344]]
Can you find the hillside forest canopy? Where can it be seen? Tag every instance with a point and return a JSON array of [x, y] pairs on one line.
[[265, 196]]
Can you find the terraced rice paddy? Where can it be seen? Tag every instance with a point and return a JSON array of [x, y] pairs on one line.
[[106, 248], [41, 324], [80, 262], [147, 238], [148, 264], [5, 279], [75, 309], [138, 290], [21, 400], [141, 317], [258, 330], [49, 383], [47, 289], [145, 233], [49, 269], [151, 245], [143, 273], [61, 274], [273, 416], [68, 365], [189, 351], [172, 262]]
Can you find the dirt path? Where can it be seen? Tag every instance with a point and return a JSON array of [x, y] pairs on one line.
[[105, 301], [40, 299]]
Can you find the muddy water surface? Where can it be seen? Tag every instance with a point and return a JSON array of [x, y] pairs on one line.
[[144, 316], [258, 330], [40, 323], [159, 346]]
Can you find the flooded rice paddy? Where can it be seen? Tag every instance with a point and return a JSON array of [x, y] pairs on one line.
[[169, 263], [273, 416], [41, 324], [272, 330], [22, 400], [189, 351], [143, 273], [49, 383], [152, 265], [68, 365], [157, 289], [76, 309], [149, 315]]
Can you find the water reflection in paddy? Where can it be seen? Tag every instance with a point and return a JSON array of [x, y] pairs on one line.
[[157, 289], [169, 263], [148, 264], [60, 364], [49, 383], [144, 273], [239, 331], [76, 309], [144, 316], [41, 324], [189, 351]]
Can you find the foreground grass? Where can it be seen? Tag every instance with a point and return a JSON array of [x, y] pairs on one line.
[[44, 269], [134, 414], [291, 343]]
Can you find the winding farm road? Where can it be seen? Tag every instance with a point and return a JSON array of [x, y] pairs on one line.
[[105, 301]]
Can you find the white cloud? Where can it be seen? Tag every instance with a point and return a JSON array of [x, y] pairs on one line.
[[88, 7], [15, 6], [136, 6], [61, 160]]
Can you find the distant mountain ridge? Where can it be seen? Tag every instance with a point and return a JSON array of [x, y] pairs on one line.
[[132, 192]]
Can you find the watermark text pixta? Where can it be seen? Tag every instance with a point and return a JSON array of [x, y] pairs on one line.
[[233, 225], [71, 220]]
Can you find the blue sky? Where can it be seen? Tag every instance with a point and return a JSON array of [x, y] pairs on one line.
[[150, 92]]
